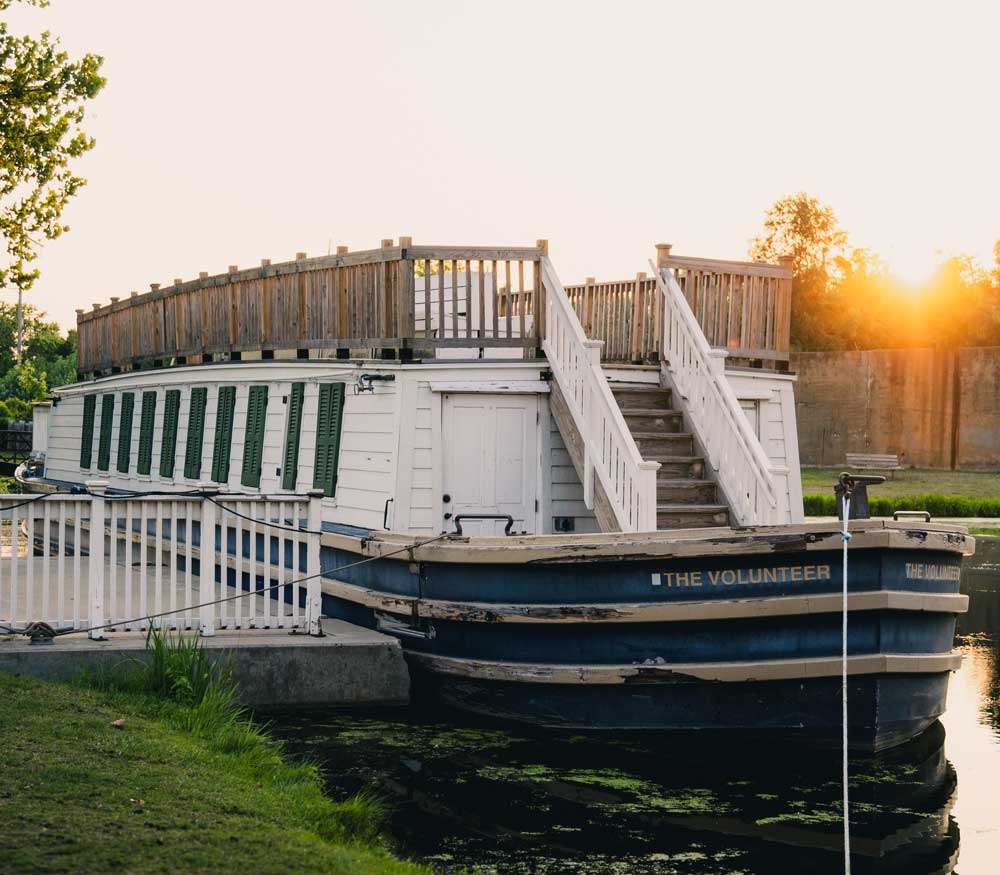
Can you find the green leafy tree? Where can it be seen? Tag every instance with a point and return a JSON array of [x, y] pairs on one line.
[[800, 226], [43, 96]]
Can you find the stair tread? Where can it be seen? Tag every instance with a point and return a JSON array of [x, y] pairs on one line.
[[690, 508], [621, 386], [670, 435], [648, 411], [683, 481], [670, 457]]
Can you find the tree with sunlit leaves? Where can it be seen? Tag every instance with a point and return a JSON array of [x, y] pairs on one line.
[[43, 96], [844, 297]]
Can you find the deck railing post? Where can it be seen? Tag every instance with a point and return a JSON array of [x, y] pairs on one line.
[[95, 563], [314, 585], [540, 328], [206, 565], [587, 314]]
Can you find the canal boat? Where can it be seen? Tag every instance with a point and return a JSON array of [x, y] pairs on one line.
[[575, 506]]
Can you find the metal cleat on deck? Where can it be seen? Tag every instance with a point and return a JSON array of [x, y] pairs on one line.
[[855, 487]]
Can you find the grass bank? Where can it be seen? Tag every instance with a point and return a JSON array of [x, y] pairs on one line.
[[121, 777], [935, 504], [941, 493], [912, 482]]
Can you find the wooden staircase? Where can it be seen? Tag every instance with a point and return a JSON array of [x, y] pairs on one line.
[[684, 498]]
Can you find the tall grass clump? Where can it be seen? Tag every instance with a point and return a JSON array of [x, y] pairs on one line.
[[194, 691], [933, 502]]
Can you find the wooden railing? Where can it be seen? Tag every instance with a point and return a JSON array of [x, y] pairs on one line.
[[742, 307], [399, 297], [697, 374], [624, 314], [609, 452]]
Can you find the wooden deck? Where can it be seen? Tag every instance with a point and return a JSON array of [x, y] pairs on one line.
[[742, 307], [398, 297], [405, 301]]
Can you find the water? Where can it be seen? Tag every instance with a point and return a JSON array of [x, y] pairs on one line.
[[473, 797]]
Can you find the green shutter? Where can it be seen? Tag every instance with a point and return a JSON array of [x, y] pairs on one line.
[[168, 446], [195, 433], [87, 438], [223, 433], [328, 426], [290, 467], [125, 431], [104, 447], [146, 420], [253, 447]]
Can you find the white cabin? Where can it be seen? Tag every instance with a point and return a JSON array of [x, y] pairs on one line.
[[499, 404]]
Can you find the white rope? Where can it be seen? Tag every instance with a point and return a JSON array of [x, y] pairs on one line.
[[845, 535]]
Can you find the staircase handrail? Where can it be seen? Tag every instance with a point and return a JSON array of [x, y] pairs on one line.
[[730, 445], [610, 452]]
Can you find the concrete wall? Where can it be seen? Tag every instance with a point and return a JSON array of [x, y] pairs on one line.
[[940, 408]]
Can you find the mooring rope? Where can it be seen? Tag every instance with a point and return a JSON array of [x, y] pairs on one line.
[[846, 536]]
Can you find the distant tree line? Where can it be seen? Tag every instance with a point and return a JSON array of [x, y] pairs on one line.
[[845, 298], [48, 359]]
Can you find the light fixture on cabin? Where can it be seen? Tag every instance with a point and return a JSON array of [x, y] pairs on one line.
[[366, 382]]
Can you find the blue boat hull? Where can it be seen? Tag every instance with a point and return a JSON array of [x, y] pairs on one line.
[[633, 644], [885, 710]]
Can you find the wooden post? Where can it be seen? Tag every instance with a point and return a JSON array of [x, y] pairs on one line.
[[314, 585], [662, 254], [95, 574], [588, 306], [638, 319], [206, 567], [407, 319], [783, 307], [543, 252]]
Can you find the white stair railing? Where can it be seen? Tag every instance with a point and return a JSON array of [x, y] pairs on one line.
[[610, 452], [730, 445]]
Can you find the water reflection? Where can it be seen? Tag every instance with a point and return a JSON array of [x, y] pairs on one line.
[[474, 797]]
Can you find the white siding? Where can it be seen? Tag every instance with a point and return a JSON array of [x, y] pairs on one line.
[[390, 443], [424, 509], [565, 489], [773, 395], [62, 461]]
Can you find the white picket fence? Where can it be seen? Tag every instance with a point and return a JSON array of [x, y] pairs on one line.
[[152, 564]]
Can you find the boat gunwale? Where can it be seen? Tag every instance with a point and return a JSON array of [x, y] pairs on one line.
[[682, 672], [646, 612], [663, 544]]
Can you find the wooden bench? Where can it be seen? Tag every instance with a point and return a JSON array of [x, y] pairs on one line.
[[874, 461]]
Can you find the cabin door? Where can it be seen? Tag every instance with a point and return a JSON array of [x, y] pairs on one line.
[[490, 451]]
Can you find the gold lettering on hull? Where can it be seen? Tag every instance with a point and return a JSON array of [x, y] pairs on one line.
[[924, 571], [741, 576]]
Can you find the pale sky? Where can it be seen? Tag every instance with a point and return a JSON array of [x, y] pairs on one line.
[[235, 130]]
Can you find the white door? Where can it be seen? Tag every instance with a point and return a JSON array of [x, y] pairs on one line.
[[490, 461]]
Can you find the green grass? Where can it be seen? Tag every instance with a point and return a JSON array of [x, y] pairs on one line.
[[935, 504], [187, 784], [941, 493], [911, 481]]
